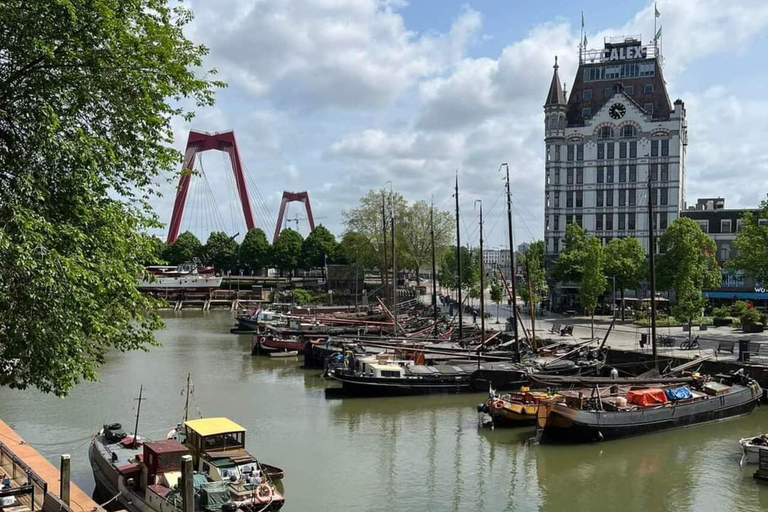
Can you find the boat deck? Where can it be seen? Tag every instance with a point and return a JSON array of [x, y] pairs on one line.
[[456, 369], [120, 454]]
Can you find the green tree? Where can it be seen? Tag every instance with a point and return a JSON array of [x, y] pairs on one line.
[[319, 246], [625, 261], [254, 251], [593, 281], [751, 245], [185, 248], [531, 262], [535, 279], [88, 94], [569, 265], [286, 251], [356, 249], [158, 247], [470, 270], [687, 265], [416, 236], [497, 295], [221, 251], [366, 220]]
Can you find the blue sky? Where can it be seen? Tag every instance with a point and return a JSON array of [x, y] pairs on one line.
[[338, 97]]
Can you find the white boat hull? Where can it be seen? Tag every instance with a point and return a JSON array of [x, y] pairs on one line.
[[180, 283], [750, 452]]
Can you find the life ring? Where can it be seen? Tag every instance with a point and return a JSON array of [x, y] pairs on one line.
[[262, 339], [264, 491], [498, 405]]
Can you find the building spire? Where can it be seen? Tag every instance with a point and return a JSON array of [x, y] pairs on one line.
[[556, 95]]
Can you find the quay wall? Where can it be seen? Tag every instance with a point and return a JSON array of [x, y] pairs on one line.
[[24, 464]]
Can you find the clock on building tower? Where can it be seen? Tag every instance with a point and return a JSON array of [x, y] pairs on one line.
[[617, 110]]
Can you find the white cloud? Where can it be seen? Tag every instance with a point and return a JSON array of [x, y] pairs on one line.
[[726, 137], [321, 53]]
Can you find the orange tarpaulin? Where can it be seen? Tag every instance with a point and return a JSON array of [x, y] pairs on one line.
[[646, 397]]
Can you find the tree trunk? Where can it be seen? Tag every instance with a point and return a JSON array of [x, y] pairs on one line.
[[418, 276], [592, 326], [622, 304]]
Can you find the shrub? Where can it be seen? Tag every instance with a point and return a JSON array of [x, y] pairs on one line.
[[721, 312], [750, 317], [739, 308]]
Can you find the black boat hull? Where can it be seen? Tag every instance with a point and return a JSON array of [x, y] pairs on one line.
[[367, 386], [586, 427]]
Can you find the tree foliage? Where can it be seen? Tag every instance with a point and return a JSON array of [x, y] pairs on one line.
[[751, 245], [569, 265], [357, 249], [254, 250], [532, 265], [221, 251], [185, 248], [593, 281], [687, 265], [88, 90], [415, 227], [319, 246], [286, 251], [366, 220], [470, 268], [497, 291], [625, 261]]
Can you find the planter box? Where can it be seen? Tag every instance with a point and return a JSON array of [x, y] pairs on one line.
[[753, 328], [720, 322]]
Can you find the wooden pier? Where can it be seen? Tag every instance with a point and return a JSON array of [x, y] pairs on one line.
[[29, 470]]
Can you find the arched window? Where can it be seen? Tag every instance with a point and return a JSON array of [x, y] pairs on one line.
[[628, 131], [606, 132]]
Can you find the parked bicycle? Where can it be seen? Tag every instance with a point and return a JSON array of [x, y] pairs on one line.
[[665, 340], [692, 344]]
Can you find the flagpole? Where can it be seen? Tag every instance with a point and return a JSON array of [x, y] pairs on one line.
[[655, 10], [581, 40]]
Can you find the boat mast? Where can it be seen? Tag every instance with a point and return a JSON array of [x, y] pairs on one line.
[[138, 413], [186, 403], [652, 250], [482, 287], [513, 276], [394, 267], [434, 279], [384, 280], [458, 261]]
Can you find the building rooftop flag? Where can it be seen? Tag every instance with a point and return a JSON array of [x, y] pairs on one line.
[[655, 9], [658, 34]]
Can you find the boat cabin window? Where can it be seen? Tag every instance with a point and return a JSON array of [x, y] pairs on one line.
[[389, 373], [226, 440], [206, 468]]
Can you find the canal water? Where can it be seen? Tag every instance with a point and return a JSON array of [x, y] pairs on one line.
[[405, 454]]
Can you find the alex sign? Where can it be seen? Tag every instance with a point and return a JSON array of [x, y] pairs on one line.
[[624, 53]]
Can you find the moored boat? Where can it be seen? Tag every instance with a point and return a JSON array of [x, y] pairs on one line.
[[182, 434], [630, 407], [145, 476], [514, 409], [751, 448], [285, 353]]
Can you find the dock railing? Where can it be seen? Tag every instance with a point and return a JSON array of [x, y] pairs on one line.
[[21, 474]]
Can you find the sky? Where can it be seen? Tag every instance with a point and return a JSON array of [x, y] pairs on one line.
[[340, 97]]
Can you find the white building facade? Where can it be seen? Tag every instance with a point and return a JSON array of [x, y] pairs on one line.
[[616, 130]]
